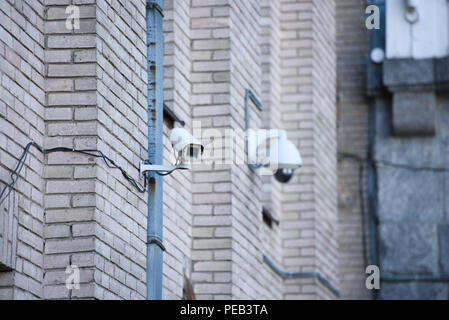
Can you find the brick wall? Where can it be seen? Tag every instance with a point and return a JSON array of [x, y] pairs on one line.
[[246, 73], [22, 103], [271, 118], [211, 193], [301, 73], [121, 212], [227, 226], [352, 138], [84, 89], [308, 113], [325, 148], [69, 178], [177, 208]]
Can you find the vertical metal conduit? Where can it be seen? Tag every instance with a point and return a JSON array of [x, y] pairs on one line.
[[155, 53]]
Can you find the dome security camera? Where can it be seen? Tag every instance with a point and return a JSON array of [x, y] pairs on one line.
[[286, 158], [186, 148], [283, 156]]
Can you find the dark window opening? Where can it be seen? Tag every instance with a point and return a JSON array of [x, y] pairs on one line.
[[170, 117], [268, 217]]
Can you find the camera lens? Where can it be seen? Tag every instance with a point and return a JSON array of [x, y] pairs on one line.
[[284, 175]]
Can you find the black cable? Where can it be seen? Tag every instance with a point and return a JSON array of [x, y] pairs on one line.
[[361, 163], [15, 173], [90, 152], [166, 173], [108, 161]]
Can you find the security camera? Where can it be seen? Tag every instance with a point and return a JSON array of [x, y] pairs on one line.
[[281, 155], [186, 147]]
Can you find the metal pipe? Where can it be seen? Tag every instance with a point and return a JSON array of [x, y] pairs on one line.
[[298, 275], [155, 52], [372, 185], [371, 182], [374, 75]]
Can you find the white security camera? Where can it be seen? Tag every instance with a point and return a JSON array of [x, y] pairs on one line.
[[271, 149], [186, 147]]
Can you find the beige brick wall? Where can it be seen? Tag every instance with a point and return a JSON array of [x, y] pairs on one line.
[[308, 112], [246, 198], [308, 212], [271, 118], [121, 212], [69, 178], [227, 225], [211, 193], [83, 89], [352, 138], [298, 225], [177, 201], [325, 149], [22, 103]]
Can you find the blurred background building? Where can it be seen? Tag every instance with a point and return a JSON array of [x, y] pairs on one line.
[[392, 119], [366, 107]]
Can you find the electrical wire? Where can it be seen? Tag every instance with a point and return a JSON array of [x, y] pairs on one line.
[[15, 173], [166, 173], [108, 161], [90, 152], [361, 163]]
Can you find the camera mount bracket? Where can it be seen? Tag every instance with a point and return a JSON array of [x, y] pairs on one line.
[[145, 167]]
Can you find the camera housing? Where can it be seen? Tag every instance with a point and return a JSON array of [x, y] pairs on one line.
[[281, 155], [186, 147]]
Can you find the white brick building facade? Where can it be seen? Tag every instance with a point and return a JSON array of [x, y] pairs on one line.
[[87, 89]]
